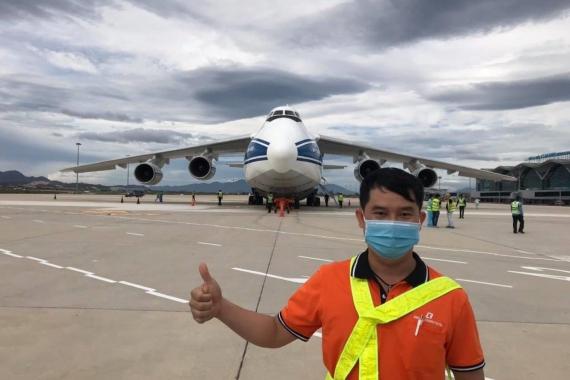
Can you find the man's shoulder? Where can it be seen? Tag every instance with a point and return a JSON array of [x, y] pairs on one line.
[[458, 294]]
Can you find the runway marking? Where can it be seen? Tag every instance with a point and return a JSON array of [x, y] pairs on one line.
[[134, 234], [9, 253], [214, 244], [34, 258], [297, 280], [522, 251], [79, 270], [79, 226], [543, 275], [137, 286], [166, 296], [484, 253], [484, 283], [5, 217], [104, 279], [315, 258], [444, 260], [38, 221], [51, 265]]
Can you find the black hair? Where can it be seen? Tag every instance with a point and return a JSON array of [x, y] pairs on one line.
[[395, 180]]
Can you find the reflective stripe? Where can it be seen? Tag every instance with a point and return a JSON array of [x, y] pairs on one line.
[[429, 203], [362, 344], [515, 208], [435, 203]]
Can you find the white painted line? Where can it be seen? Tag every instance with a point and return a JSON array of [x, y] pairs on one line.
[[444, 260], [540, 269], [484, 283], [214, 244], [137, 286], [527, 252], [549, 276], [162, 295], [34, 258], [485, 253], [296, 280], [134, 234], [79, 226], [51, 265], [78, 270], [38, 221], [9, 253], [5, 217], [100, 278], [315, 258]]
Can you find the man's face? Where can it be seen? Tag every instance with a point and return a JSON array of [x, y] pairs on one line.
[[386, 205]]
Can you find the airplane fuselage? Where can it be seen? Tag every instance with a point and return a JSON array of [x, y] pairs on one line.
[[283, 158]]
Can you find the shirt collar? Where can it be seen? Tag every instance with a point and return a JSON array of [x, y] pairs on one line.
[[361, 269]]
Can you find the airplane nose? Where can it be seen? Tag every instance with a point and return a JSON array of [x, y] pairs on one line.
[[282, 155]]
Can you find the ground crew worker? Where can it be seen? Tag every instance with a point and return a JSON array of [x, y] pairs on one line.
[[193, 197], [340, 199], [269, 202], [435, 206], [220, 196], [326, 200], [517, 212], [428, 210], [450, 206], [424, 320], [461, 203]]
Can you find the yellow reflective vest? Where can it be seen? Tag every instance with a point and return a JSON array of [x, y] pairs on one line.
[[515, 208], [451, 205], [435, 203], [362, 344], [428, 206]]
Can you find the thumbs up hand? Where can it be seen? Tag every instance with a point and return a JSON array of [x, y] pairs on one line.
[[206, 299]]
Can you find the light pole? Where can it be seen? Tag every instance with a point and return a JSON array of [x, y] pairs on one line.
[[77, 173]]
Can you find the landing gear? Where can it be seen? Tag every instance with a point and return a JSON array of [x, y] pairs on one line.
[[255, 198], [313, 200], [296, 204]]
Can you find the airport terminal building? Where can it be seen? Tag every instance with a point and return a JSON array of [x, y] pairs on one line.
[[543, 179]]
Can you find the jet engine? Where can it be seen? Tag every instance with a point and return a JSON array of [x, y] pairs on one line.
[[427, 176], [148, 173], [365, 167], [201, 167]]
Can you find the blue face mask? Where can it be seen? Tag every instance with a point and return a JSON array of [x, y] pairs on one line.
[[391, 239]]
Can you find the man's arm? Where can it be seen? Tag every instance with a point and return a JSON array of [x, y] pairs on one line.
[[206, 302], [473, 375]]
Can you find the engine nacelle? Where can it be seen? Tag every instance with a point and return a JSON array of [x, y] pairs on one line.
[[148, 173], [201, 168], [427, 176], [365, 167]]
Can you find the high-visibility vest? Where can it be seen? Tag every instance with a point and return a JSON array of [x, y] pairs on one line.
[[515, 208], [428, 206], [270, 198], [362, 344], [451, 206], [340, 197], [220, 194], [461, 202], [435, 203]]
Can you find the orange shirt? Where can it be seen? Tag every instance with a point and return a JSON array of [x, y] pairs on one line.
[[447, 337]]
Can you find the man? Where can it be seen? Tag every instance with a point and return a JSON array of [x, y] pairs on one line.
[[326, 200], [517, 212], [220, 196], [428, 210], [435, 206], [269, 202], [450, 206], [424, 320], [340, 199], [461, 203]]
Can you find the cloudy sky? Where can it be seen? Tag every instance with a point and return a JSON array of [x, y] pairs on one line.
[[480, 83]]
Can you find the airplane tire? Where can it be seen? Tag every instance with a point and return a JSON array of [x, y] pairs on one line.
[[317, 202], [296, 204]]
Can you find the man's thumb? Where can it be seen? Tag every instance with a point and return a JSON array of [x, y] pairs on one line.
[[205, 273]]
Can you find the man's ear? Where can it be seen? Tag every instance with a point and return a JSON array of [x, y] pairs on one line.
[[360, 217]]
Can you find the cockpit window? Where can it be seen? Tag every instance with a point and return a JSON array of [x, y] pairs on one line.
[[277, 113], [290, 113], [297, 114], [284, 113]]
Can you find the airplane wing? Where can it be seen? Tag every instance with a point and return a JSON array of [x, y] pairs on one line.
[[332, 145], [235, 145]]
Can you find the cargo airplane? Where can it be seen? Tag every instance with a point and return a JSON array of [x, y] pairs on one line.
[[285, 159]]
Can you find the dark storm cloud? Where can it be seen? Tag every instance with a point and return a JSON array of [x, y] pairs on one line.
[[143, 135], [388, 23], [112, 116], [508, 95], [232, 93], [15, 9]]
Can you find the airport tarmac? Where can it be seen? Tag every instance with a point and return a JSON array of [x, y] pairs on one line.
[[92, 288]]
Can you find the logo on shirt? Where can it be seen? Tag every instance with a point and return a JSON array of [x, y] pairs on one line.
[[428, 318]]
